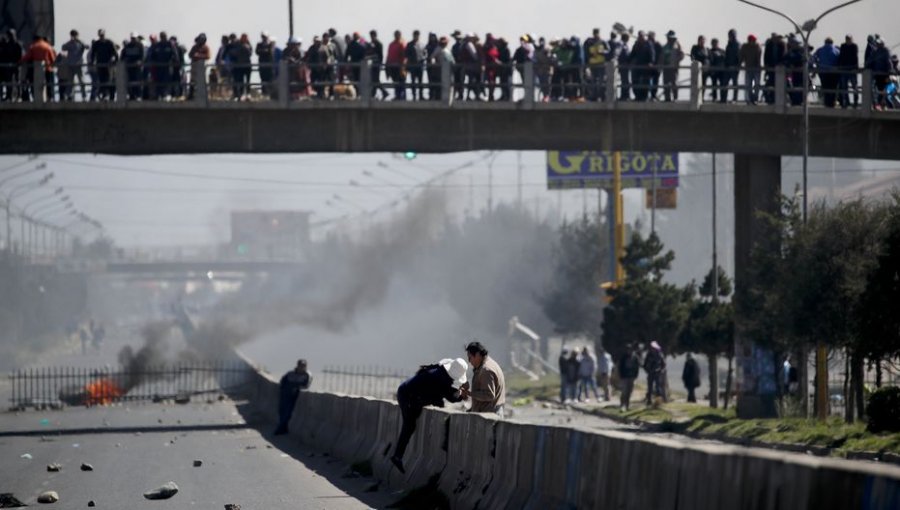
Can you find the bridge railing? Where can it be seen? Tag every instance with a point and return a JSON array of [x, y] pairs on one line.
[[293, 81]]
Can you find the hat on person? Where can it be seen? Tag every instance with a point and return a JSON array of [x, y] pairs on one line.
[[670, 34], [265, 33], [456, 368], [654, 345], [295, 40], [456, 34], [133, 35], [751, 38]]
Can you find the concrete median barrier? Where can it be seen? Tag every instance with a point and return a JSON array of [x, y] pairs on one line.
[[468, 473], [485, 463]]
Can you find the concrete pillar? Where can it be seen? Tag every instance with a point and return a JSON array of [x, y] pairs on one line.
[[867, 100], [284, 83], [364, 87], [446, 82], [780, 89], [38, 84], [696, 93], [757, 187], [121, 83], [611, 81], [198, 79], [528, 84]]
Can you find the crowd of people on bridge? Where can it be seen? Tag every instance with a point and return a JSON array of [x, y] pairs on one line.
[[331, 66]]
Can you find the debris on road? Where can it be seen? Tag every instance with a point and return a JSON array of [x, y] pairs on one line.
[[48, 497], [183, 398], [7, 500], [26, 456], [54, 468], [86, 467], [91, 503], [232, 506], [198, 463], [164, 491]]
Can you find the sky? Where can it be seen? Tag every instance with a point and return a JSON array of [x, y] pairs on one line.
[[142, 205]]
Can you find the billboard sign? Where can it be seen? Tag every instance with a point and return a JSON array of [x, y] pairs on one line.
[[594, 169]]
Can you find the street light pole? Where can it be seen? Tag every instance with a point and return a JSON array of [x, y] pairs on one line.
[[805, 32], [291, 18]]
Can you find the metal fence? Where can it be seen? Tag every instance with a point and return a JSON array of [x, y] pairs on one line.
[[52, 387], [368, 381]]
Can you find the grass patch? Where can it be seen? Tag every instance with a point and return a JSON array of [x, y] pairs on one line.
[[706, 421]]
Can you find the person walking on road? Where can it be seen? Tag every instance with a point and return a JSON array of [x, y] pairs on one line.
[[431, 385], [655, 365], [629, 368], [488, 392], [691, 377], [570, 371], [587, 375], [289, 389], [604, 369]]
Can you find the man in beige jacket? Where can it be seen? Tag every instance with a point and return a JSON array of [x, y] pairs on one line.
[[488, 391]]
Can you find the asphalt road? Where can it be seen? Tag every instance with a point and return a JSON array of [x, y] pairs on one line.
[[136, 449]]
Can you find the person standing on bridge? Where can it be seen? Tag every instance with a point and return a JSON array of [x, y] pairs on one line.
[[488, 391], [289, 389], [431, 385]]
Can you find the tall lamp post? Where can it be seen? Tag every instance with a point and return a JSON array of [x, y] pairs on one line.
[[805, 30]]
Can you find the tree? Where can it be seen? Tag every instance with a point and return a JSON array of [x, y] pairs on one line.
[[573, 298], [879, 323], [645, 308], [709, 328]]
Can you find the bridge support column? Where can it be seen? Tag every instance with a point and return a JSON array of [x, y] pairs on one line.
[[757, 187]]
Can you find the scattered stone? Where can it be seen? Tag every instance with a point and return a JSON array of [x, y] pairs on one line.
[[159, 421], [118, 445], [91, 503], [48, 497], [183, 398], [7, 500], [232, 506], [250, 447], [26, 456], [198, 463], [164, 491], [86, 467], [54, 468], [268, 447]]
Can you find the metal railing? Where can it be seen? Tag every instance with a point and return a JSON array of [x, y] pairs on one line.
[[291, 81], [53, 387], [367, 381]]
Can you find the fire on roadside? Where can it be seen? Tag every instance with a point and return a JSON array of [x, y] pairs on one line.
[[102, 391]]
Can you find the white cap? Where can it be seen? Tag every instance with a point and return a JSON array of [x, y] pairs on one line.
[[295, 40], [456, 368], [134, 35], [655, 345], [265, 33]]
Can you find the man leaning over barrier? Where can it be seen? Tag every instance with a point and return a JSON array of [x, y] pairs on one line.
[[488, 392], [289, 389], [431, 385]]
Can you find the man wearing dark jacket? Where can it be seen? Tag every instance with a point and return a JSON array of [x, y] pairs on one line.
[[691, 377], [431, 385], [732, 64], [774, 53], [103, 56], [848, 62], [643, 58], [629, 368], [11, 51], [289, 389]]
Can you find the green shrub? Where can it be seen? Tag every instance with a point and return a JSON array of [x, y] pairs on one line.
[[883, 410]]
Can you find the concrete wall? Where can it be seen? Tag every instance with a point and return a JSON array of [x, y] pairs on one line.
[[335, 126], [481, 462]]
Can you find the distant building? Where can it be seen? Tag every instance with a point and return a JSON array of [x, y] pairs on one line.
[[269, 235]]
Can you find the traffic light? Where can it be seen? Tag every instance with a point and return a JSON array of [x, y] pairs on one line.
[[409, 155]]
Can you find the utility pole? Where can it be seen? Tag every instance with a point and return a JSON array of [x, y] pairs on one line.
[[715, 253], [653, 200], [619, 213], [519, 181], [291, 18]]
